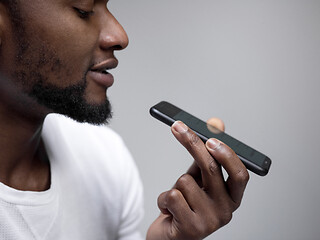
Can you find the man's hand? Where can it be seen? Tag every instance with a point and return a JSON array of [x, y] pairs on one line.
[[201, 200]]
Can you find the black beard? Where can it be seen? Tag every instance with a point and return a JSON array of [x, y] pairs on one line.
[[70, 101]]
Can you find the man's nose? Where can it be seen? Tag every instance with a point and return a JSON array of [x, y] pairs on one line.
[[112, 35]]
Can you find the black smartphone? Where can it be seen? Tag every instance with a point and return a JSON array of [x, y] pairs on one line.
[[254, 160]]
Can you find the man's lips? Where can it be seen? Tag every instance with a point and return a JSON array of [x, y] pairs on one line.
[[99, 72], [102, 78], [105, 65]]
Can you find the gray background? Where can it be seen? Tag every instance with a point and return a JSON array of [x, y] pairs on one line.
[[255, 64]]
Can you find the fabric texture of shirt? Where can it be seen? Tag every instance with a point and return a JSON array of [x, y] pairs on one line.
[[95, 193]]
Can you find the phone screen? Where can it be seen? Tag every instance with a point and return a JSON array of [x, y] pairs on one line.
[[253, 159], [212, 132]]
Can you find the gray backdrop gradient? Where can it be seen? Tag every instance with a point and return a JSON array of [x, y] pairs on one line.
[[256, 65]]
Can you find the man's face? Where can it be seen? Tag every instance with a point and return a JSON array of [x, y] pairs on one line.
[[58, 52]]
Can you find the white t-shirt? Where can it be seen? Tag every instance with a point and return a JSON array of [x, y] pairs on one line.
[[95, 193]]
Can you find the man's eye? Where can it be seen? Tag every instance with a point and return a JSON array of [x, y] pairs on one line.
[[83, 14]]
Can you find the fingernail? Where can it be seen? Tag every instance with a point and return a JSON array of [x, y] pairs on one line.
[[180, 127], [213, 143]]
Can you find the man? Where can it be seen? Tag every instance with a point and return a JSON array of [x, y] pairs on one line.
[[66, 180]]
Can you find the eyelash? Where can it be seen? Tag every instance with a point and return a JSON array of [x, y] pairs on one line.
[[84, 14]]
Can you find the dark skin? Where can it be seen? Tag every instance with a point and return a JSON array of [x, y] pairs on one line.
[[201, 201], [63, 42], [23, 163]]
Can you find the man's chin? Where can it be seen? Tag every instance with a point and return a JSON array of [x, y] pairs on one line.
[[71, 102], [89, 113]]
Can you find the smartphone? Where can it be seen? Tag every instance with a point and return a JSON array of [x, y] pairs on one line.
[[254, 160]]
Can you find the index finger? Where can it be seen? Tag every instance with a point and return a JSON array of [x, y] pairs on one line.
[[211, 173], [238, 174]]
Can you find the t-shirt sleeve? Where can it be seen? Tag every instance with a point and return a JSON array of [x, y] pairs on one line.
[[132, 200]]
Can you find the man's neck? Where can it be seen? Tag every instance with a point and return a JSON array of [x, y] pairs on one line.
[[23, 160]]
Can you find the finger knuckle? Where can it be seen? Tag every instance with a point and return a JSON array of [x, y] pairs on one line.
[[219, 216], [193, 139], [242, 176], [160, 199], [172, 196], [214, 168], [225, 218], [184, 181], [209, 223]]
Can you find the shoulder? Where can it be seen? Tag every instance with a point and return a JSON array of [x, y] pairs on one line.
[[58, 125], [91, 152], [82, 139], [96, 158], [97, 148]]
